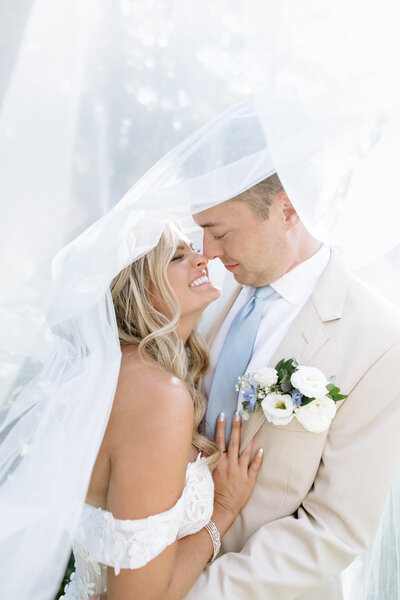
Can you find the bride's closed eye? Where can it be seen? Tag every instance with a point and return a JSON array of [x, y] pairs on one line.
[[177, 257], [180, 252]]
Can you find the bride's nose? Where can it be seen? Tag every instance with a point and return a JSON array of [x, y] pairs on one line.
[[199, 260]]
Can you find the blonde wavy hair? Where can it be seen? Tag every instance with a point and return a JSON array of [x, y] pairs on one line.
[[155, 332]]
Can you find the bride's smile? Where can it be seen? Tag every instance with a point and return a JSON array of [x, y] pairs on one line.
[[200, 280], [188, 276]]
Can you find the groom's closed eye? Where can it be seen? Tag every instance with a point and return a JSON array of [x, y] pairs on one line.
[[217, 235]]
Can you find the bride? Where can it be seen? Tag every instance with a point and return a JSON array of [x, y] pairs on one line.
[[151, 484]]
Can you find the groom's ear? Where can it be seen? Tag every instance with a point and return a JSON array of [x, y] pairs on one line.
[[289, 216]]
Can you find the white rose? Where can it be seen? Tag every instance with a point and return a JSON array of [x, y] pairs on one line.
[[310, 381], [278, 408], [266, 377], [316, 416]]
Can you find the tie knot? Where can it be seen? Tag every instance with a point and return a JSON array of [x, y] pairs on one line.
[[262, 293]]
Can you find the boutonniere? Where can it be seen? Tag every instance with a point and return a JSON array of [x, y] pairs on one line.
[[290, 390]]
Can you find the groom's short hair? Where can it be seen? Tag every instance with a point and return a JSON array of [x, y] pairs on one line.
[[260, 196]]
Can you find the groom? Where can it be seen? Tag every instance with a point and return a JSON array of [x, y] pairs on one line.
[[319, 496]]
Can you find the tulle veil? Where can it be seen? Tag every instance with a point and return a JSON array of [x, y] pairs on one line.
[[94, 94]]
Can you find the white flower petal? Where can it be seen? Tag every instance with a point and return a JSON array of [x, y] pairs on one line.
[[278, 408], [316, 416], [310, 381], [266, 377]]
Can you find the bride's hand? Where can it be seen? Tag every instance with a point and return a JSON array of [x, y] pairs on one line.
[[234, 476]]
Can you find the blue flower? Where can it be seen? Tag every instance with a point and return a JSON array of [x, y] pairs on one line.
[[297, 397], [250, 395]]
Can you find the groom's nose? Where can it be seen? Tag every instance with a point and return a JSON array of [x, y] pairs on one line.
[[211, 248]]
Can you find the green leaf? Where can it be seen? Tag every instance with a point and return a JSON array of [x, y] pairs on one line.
[[279, 365], [333, 390], [289, 365], [306, 400], [284, 367]]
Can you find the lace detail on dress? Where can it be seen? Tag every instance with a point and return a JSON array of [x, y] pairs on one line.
[[104, 541], [198, 496]]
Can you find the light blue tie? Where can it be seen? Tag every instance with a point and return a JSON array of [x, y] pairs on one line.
[[233, 360]]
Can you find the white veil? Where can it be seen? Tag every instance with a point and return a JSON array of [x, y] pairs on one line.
[[57, 176]]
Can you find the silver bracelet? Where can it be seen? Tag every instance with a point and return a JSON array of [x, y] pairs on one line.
[[215, 538]]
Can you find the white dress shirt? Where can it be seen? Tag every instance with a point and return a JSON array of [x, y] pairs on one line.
[[292, 291]]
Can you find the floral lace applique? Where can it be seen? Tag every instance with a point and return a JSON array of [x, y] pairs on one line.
[[129, 544]]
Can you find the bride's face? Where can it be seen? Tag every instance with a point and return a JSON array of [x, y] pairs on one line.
[[187, 273]]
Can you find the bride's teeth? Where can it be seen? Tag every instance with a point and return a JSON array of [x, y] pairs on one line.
[[199, 281]]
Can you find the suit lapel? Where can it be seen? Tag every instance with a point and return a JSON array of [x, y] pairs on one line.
[[304, 338], [308, 333]]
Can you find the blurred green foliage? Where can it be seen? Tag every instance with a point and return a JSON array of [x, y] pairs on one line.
[[69, 570]]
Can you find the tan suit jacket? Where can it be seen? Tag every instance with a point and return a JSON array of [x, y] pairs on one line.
[[319, 497]]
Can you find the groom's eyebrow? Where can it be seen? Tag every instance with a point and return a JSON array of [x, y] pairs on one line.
[[210, 225]]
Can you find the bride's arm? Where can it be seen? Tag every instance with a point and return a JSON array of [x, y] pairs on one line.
[[149, 440], [234, 479]]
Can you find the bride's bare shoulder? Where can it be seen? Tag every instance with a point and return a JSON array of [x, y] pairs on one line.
[[148, 438], [147, 441], [144, 385]]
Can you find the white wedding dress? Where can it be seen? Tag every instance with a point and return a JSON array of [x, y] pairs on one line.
[[102, 540]]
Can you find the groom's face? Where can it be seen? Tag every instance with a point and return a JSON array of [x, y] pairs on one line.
[[256, 250]]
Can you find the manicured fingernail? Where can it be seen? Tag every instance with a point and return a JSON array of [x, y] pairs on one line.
[[260, 452], [222, 416], [236, 416]]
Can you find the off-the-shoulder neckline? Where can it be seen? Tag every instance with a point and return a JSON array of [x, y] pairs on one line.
[[93, 509]]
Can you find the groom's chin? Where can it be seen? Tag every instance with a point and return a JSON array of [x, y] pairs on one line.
[[239, 279]]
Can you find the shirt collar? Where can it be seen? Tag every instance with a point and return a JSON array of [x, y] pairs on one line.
[[297, 285]]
